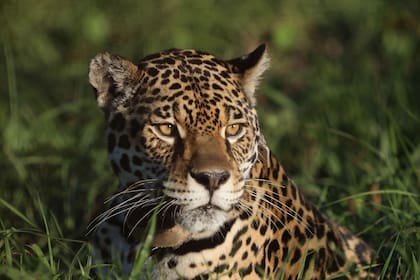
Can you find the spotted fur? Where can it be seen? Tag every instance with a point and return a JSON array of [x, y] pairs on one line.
[[184, 140]]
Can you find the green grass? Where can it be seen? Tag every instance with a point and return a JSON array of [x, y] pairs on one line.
[[339, 107]]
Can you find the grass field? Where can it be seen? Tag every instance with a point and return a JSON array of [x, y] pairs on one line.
[[340, 107]]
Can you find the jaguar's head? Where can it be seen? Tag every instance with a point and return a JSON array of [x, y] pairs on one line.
[[181, 126]]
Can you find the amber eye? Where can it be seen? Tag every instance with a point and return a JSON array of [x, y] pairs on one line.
[[166, 129], [233, 130]]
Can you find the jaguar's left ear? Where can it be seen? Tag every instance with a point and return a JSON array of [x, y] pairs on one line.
[[251, 67]]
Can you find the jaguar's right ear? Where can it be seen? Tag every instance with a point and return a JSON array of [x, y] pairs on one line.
[[113, 78], [250, 67]]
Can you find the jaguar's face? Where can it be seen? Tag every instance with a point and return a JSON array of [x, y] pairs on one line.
[[182, 125]]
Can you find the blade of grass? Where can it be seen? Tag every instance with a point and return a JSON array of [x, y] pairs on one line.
[[40, 255], [7, 248], [362, 194], [84, 271], [388, 259], [416, 266], [11, 79], [144, 252], [16, 212], [10, 272], [48, 235]]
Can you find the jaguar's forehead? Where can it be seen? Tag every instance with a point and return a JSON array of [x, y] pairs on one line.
[[190, 86], [188, 82], [188, 66], [189, 56]]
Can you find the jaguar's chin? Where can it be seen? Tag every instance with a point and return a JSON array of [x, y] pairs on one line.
[[204, 221]]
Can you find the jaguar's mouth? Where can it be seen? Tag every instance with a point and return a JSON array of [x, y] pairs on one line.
[[203, 221], [198, 223], [210, 207]]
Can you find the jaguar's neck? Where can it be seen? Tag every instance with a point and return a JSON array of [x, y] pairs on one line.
[[291, 215]]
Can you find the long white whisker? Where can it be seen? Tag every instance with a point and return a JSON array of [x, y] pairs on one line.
[[245, 207], [116, 207], [139, 221], [262, 198], [280, 206], [166, 208], [124, 206], [106, 215], [262, 211], [271, 183], [138, 204], [298, 216], [135, 188], [278, 201]]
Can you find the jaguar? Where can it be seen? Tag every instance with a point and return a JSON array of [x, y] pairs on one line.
[[184, 140]]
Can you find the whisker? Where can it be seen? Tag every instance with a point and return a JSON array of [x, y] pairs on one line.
[[115, 207], [97, 220], [134, 188], [146, 215], [108, 216], [290, 210], [265, 215], [280, 206], [245, 207], [138, 204], [142, 182], [126, 192], [269, 182], [166, 208], [124, 206], [247, 187]]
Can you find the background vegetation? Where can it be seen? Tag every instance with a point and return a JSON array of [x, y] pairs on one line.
[[340, 106]]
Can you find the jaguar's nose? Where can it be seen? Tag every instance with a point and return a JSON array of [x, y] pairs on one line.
[[211, 180]]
